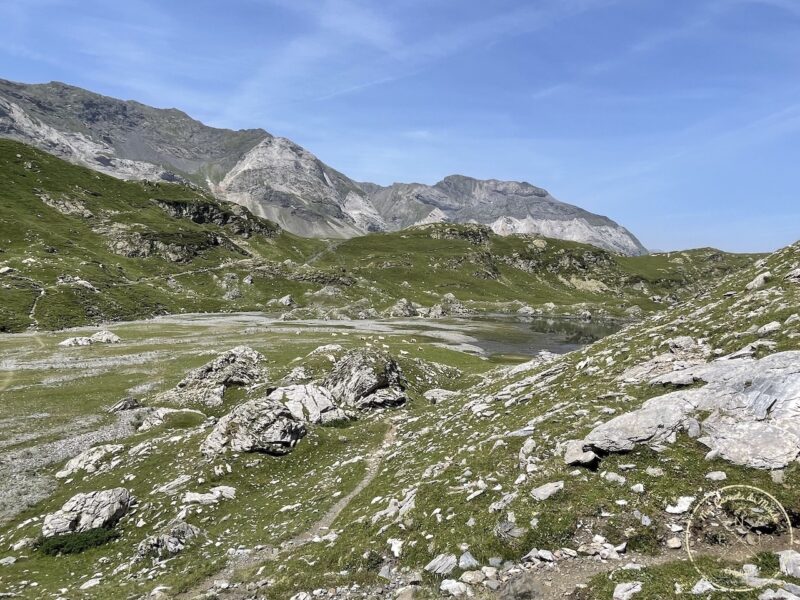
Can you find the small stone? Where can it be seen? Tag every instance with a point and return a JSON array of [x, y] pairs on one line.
[[467, 561], [547, 490], [443, 564], [473, 577], [453, 587], [95, 581], [702, 586], [717, 476], [614, 478], [674, 543], [681, 506], [626, 591]]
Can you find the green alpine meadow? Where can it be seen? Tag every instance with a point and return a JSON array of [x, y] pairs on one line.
[[232, 371]]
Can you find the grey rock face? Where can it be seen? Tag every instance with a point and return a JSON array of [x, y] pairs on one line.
[[506, 206], [260, 425], [366, 378], [753, 409], [124, 139], [285, 183], [88, 511], [274, 177], [310, 403], [206, 385]]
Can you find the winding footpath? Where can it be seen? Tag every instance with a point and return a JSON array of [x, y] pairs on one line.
[[319, 528]]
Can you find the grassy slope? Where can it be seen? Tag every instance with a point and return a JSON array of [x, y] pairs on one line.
[[466, 446], [463, 444], [414, 264], [43, 244]]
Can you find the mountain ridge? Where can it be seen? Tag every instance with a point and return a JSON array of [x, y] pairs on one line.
[[275, 177]]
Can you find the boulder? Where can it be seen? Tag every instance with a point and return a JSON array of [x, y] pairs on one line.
[[443, 564], [626, 591], [760, 281], [361, 373], [450, 306], [310, 403], [655, 423], [206, 385], [91, 510], [454, 588], [402, 308], [543, 492], [790, 563], [127, 403], [213, 496], [524, 586], [575, 454], [75, 341], [166, 544], [105, 337], [90, 460], [260, 425]]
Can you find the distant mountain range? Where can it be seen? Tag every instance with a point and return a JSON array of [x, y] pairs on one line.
[[274, 177]]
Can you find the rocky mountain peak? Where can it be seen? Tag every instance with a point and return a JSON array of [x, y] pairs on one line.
[[274, 177]]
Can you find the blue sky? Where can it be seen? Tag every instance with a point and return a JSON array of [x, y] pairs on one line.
[[678, 118]]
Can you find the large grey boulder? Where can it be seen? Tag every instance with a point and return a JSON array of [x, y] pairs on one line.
[[260, 425], [753, 409], [310, 403], [105, 337], [360, 374], [656, 423], [92, 510], [206, 385]]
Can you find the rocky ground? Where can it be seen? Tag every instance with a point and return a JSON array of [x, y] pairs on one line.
[[236, 459]]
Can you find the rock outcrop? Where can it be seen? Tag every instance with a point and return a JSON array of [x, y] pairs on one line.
[[366, 378], [92, 510], [205, 385], [753, 409], [169, 543], [310, 403], [260, 425], [90, 461], [272, 176]]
